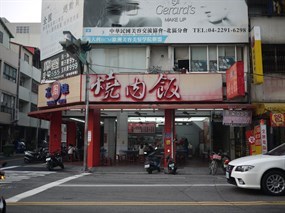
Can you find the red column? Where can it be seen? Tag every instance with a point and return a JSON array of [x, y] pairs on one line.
[[93, 149], [70, 133], [169, 134], [55, 132]]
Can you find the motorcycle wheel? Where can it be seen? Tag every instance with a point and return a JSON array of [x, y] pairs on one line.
[[49, 166], [61, 166], [2, 205], [26, 160]]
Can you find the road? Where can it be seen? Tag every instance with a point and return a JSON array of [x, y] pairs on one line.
[[31, 188]]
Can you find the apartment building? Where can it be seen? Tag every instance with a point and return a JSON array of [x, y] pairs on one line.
[[20, 77]]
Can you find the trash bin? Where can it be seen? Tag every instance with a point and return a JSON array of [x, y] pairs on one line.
[[8, 149]]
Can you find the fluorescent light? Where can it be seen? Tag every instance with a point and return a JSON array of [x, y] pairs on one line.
[[76, 119]]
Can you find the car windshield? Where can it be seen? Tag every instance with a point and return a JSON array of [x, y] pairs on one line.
[[279, 150]]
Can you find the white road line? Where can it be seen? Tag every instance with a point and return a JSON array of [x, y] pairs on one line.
[[143, 185], [9, 167], [43, 188]]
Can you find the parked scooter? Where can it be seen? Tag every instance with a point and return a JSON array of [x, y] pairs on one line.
[[54, 160], [152, 162], [171, 165], [2, 200], [39, 156]]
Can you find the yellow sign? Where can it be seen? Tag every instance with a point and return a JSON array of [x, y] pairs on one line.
[[256, 56]]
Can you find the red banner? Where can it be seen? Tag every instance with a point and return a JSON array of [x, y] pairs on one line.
[[235, 80]]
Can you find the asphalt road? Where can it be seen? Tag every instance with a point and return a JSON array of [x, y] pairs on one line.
[[31, 188]]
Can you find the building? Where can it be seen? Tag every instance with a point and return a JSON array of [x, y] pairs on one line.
[[20, 77], [268, 83], [150, 43]]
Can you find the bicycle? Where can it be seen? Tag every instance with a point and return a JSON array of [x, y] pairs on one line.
[[218, 160]]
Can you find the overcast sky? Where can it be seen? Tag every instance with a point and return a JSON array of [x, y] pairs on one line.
[[21, 10]]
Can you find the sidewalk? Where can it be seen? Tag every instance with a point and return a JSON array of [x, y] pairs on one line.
[[191, 167]]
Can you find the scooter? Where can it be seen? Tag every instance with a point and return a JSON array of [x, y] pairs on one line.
[[39, 156], [2, 200], [54, 160], [152, 163], [171, 165]]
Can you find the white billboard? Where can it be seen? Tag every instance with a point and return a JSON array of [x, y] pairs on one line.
[[59, 16], [165, 21]]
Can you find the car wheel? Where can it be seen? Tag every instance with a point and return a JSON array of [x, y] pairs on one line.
[[273, 183]]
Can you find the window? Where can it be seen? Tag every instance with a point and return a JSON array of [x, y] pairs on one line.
[[26, 58], [34, 107], [198, 59], [35, 87], [10, 73], [23, 29], [226, 57], [1, 37], [208, 58], [273, 57], [213, 63], [7, 103]]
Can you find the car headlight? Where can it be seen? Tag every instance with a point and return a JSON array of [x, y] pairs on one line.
[[244, 168]]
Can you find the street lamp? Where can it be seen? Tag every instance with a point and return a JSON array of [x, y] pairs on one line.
[[78, 49]]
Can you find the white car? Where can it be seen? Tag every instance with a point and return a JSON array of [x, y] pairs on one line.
[[265, 171]]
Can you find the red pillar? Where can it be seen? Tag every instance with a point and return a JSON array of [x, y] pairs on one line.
[[55, 132], [93, 149], [169, 134], [70, 133]]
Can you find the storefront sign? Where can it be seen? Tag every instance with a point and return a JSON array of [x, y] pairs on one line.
[[256, 55], [140, 88], [56, 94], [235, 80], [277, 119], [161, 21], [141, 127], [260, 134], [237, 117], [59, 66]]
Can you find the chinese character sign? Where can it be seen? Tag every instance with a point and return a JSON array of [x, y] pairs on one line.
[[155, 88]]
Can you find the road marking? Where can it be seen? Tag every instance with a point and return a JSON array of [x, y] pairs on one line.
[[9, 167], [134, 203], [43, 188], [15, 176], [142, 185]]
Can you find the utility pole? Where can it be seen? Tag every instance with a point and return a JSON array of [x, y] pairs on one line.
[[78, 49]]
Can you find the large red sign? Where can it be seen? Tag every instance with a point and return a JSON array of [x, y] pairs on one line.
[[235, 80]]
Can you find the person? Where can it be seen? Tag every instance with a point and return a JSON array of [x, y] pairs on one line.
[[70, 152], [141, 153], [118, 13]]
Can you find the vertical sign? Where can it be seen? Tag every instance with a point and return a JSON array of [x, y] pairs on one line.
[[256, 55], [263, 136]]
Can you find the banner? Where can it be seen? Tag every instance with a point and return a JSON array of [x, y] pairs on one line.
[[165, 21]]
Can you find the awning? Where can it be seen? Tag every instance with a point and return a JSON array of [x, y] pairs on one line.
[[262, 108], [45, 113]]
